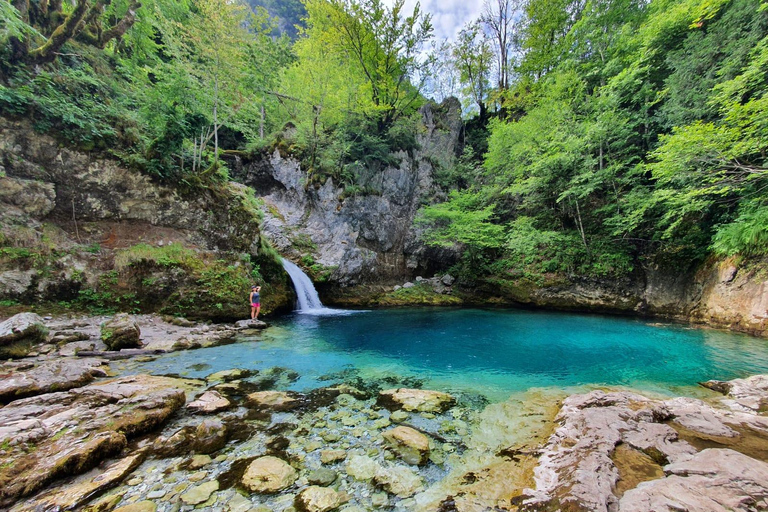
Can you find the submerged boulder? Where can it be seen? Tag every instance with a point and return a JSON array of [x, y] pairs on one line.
[[319, 499], [269, 474], [274, 400], [120, 332], [409, 444], [421, 400]]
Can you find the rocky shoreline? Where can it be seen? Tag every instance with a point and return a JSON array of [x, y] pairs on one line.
[[76, 436]]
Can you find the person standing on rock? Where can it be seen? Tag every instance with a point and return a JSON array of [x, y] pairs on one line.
[[255, 302]]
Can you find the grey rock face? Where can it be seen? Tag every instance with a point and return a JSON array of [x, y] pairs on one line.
[[365, 237], [581, 465], [714, 480]]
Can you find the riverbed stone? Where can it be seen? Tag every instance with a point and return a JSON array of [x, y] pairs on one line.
[[73, 431], [319, 499], [331, 456], [269, 474], [54, 375], [398, 416], [362, 467], [139, 506], [229, 375], [274, 400], [198, 461], [20, 333], [179, 443], [210, 402], [421, 400], [200, 493], [210, 436], [322, 476], [401, 481], [409, 444]]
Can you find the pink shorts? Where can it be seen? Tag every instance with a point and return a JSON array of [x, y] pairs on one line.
[[255, 304]]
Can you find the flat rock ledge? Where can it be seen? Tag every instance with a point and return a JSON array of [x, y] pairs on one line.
[[67, 433], [623, 452], [22, 380]]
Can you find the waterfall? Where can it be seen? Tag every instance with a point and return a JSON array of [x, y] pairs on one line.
[[305, 290]]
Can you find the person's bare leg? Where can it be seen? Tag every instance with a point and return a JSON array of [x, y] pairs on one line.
[[253, 313], [258, 309]]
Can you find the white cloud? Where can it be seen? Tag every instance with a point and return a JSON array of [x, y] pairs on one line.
[[448, 16]]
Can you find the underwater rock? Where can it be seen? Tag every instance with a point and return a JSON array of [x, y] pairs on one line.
[[273, 400], [139, 506], [362, 467], [421, 400], [53, 375], [714, 480], [200, 493], [401, 481], [179, 443], [209, 402], [409, 444], [322, 476], [269, 474], [331, 456], [121, 331], [73, 431], [229, 375], [210, 436], [319, 499]]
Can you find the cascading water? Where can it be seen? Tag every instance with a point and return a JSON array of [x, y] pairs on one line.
[[305, 291]]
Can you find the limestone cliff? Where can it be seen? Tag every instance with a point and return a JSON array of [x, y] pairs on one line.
[[362, 238], [79, 228]]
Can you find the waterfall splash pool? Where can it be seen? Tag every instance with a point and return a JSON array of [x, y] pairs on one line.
[[493, 353]]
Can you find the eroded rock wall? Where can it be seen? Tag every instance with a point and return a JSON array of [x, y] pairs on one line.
[[364, 238], [65, 215]]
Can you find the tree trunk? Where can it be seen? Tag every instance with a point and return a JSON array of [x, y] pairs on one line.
[[261, 123], [63, 33]]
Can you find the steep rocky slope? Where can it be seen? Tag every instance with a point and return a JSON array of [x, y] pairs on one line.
[[79, 228]]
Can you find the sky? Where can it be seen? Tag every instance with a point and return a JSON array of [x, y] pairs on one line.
[[448, 16]]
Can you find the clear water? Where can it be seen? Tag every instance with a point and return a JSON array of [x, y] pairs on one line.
[[495, 353]]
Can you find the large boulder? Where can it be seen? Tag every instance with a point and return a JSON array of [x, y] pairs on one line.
[[121, 331], [20, 333], [715, 480], [409, 444], [73, 431], [267, 475], [421, 400], [54, 375]]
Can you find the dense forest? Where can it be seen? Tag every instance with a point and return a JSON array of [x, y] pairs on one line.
[[599, 135]]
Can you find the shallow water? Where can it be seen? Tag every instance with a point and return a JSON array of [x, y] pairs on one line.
[[494, 353]]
